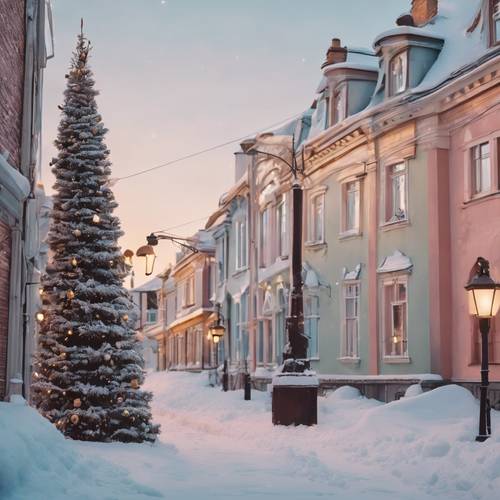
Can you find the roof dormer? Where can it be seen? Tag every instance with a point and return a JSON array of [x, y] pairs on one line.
[[350, 76], [407, 53]]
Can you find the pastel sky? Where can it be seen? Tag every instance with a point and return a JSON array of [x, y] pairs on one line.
[[179, 76]]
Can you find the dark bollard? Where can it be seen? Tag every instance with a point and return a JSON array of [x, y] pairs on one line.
[[225, 377], [248, 387]]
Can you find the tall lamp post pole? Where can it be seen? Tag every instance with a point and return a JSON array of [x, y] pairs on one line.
[[294, 399], [484, 302], [295, 354]]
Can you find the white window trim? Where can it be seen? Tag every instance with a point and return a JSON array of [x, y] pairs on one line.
[[343, 355], [317, 317], [314, 194], [494, 143], [392, 91], [388, 281], [344, 232], [385, 220], [240, 263], [283, 204]]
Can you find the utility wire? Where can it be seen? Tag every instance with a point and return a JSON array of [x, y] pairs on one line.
[[203, 151], [181, 225]]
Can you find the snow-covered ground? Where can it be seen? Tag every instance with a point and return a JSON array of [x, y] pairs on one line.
[[216, 445]]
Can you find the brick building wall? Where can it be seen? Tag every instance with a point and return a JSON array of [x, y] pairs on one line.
[[5, 246], [12, 27]]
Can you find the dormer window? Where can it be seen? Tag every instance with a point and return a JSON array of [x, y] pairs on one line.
[[398, 73], [339, 104], [495, 21]]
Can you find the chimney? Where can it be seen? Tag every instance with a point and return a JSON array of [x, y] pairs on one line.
[[423, 11], [335, 53]]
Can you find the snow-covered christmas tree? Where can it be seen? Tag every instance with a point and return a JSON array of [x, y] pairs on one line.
[[88, 372]]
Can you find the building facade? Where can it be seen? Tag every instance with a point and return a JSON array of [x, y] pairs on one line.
[[24, 51], [400, 159]]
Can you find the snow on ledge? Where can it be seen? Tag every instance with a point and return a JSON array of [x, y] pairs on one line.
[[416, 376], [296, 379]]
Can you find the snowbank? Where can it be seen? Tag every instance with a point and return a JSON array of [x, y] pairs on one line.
[[38, 463]]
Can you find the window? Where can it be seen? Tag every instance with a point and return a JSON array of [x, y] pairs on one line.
[[349, 345], [495, 21], [264, 243], [151, 307], [241, 244], [481, 169], [395, 317], [280, 322], [398, 73], [351, 207], [317, 219], [221, 258], [396, 193], [282, 226], [339, 104], [189, 291], [311, 320]]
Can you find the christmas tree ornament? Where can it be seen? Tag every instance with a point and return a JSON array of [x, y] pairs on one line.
[[134, 383], [83, 229]]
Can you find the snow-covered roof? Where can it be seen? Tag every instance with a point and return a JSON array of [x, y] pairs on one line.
[[460, 48], [153, 285]]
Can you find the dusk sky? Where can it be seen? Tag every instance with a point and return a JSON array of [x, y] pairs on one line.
[[179, 76]]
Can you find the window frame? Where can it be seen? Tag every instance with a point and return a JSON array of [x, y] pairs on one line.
[[344, 354], [312, 315], [241, 243], [265, 236], [313, 238], [476, 169], [392, 91], [345, 230], [339, 94], [189, 291], [494, 34], [282, 226], [390, 356], [389, 216]]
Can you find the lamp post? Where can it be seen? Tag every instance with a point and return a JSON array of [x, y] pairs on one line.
[[148, 252], [484, 302], [294, 397], [215, 332]]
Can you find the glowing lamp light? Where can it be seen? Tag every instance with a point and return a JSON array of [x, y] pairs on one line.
[[216, 331], [74, 262], [149, 255], [96, 219], [483, 292], [40, 316]]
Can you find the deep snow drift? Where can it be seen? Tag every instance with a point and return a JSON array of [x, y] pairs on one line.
[[216, 445]]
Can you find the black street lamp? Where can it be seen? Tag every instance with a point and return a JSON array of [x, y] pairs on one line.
[[294, 402], [147, 251], [296, 351], [484, 302]]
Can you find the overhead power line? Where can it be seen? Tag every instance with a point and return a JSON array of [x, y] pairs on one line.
[[202, 151]]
